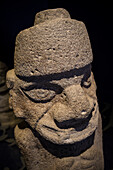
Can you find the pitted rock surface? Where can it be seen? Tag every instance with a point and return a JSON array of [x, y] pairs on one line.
[[53, 89], [51, 44], [50, 15]]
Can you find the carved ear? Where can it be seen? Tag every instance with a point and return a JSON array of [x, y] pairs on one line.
[[10, 78]]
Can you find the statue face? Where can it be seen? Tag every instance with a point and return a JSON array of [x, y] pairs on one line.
[[53, 88], [60, 107]]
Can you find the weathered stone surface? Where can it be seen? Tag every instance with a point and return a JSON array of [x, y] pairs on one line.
[[7, 117], [50, 15], [53, 89], [51, 44], [41, 154], [10, 157]]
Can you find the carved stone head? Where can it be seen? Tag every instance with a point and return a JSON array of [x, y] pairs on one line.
[[52, 86]]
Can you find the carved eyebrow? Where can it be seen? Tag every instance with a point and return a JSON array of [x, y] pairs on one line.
[[56, 76], [49, 86]]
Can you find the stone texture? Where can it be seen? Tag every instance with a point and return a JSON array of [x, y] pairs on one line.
[[10, 157], [41, 154], [7, 117], [53, 43], [50, 15], [53, 89]]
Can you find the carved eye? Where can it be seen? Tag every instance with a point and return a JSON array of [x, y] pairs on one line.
[[39, 95], [42, 92]]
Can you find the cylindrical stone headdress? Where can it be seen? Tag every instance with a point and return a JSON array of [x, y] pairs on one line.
[[55, 44]]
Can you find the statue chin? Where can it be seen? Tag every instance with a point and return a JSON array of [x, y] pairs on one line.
[[53, 132]]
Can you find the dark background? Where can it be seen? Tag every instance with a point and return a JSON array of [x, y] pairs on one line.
[[98, 18]]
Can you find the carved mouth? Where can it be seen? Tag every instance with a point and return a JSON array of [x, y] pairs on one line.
[[70, 131], [78, 124]]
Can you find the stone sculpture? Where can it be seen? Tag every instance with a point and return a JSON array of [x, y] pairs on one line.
[[7, 118], [53, 89]]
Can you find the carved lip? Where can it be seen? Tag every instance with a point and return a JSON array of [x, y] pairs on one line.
[[79, 123], [55, 134]]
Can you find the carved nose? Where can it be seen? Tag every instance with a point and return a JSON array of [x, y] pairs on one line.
[[78, 100], [75, 105], [75, 94]]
